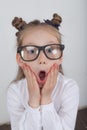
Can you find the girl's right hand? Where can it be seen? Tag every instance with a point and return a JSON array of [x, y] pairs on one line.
[[33, 87]]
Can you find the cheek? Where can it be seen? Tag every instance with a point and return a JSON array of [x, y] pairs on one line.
[[59, 61], [32, 65], [56, 62]]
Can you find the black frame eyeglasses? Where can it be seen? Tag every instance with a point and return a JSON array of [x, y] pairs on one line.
[[31, 52]]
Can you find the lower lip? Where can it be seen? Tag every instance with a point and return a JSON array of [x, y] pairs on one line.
[[41, 81]]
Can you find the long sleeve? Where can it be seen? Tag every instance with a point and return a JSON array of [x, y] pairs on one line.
[[58, 115], [21, 118], [65, 117]]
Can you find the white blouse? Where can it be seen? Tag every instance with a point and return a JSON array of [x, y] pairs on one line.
[[58, 115]]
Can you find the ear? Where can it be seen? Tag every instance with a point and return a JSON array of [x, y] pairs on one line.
[[19, 60]]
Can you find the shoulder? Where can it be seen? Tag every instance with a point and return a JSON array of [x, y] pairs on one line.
[[17, 94], [67, 81], [66, 90], [16, 87], [68, 84]]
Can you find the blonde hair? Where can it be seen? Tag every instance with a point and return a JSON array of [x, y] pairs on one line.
[[22, 27]]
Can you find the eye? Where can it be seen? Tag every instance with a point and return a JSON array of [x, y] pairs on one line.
[[49, 50], [31, 50]]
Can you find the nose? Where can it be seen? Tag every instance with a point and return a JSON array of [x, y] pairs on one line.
[[42, 58]]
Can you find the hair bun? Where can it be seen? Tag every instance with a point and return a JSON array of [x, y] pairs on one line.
[[56, 19], [18, 23]]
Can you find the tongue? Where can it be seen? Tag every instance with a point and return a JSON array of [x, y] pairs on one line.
[[42, 75]]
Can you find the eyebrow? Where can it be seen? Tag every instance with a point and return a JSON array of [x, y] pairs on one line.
[[52, 42], [31, 43]]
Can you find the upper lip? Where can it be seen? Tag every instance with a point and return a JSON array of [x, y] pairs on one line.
[[42, 71]]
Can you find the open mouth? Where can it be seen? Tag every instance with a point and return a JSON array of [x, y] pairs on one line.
[[41, 77]]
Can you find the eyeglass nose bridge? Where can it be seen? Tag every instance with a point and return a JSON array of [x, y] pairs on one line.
[[41, 48]]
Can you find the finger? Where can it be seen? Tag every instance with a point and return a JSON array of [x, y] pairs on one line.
[[55, 74], [26, 70], [35, 83], [52, 77], [49, 79], [31, 77], [50, 69], [28, 74]]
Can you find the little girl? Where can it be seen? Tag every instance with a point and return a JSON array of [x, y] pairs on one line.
[[41, 97]]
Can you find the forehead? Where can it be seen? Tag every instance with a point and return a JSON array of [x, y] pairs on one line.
[[40, 34]]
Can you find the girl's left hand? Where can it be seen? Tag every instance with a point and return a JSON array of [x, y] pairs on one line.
[[49, 85]]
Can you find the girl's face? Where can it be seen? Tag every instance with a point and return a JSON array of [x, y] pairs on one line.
[[39, 37]]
